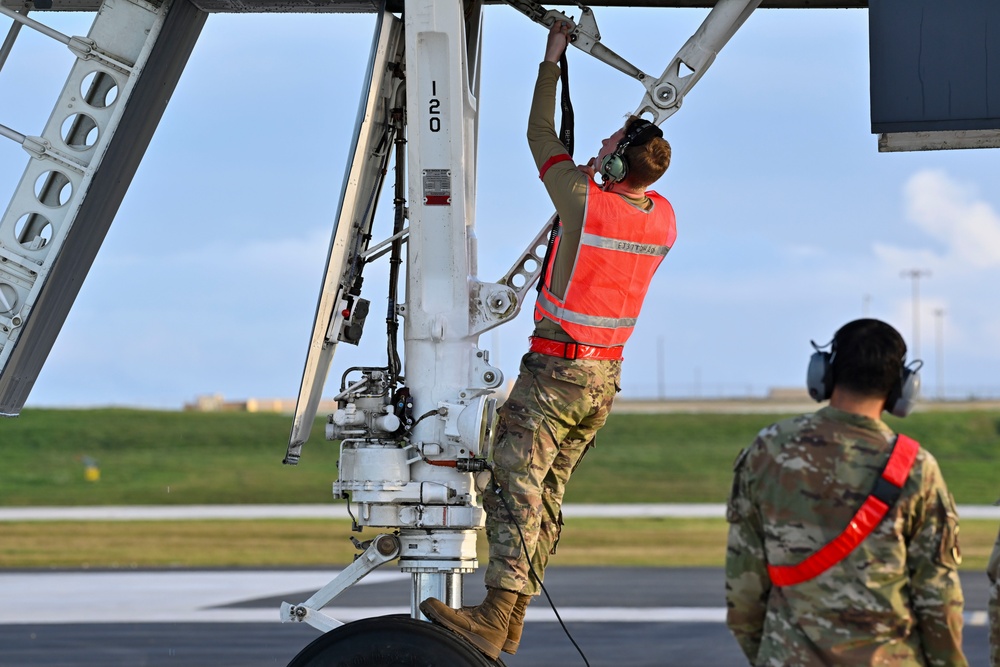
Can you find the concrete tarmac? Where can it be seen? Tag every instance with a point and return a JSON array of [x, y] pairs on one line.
[[636, 617]]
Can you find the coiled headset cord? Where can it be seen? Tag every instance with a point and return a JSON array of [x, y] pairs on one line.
[[524, 548]]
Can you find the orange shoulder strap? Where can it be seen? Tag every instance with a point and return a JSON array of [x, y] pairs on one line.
[[883, 496]]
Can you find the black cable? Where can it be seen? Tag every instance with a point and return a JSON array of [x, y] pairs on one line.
[[549, 245], [354, 522], [566, 123], [395, 259], [422, 417], [531, 569]]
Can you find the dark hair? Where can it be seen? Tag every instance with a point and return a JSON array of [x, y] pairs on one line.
[[868, 357], [646, 163]]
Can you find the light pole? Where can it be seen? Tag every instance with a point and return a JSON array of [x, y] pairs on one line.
[[661, 390], [939, 350], [915, 275]]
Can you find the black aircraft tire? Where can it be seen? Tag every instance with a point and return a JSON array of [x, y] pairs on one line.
[[391, 641]]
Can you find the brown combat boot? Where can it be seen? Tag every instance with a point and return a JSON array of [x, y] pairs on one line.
[[484, 626], [516, 624]]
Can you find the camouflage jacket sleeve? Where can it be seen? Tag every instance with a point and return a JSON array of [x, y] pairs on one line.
[[932, 559], [565, 184], [747, 582], [993, 570]]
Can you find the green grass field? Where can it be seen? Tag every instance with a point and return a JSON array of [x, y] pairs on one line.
[[109, 544], [148, 457]]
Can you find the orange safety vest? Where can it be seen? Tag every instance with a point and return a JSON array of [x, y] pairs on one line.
[[620, 248], [883, 496]]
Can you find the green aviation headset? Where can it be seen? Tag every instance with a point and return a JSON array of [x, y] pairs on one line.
[[614, 167]]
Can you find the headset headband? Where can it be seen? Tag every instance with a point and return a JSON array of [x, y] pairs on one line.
[[639, 133], [901, 398]]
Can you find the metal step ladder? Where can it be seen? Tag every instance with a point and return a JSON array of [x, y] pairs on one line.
[[79, 167]]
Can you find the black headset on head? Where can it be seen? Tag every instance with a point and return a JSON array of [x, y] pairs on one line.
[[614, 167], [901, 398]]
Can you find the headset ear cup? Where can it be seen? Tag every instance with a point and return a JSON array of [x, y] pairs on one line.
[[613, 168], [903, 397], [819, 376]]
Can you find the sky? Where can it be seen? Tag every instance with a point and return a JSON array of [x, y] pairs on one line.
[[790, 223]]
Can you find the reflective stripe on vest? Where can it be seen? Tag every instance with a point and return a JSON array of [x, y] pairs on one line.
[[883, 496], [620, 248], [573, 317], [623, 245]]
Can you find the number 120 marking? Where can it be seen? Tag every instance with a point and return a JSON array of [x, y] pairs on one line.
[[434, 110]]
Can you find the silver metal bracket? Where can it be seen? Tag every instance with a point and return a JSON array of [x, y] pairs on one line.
[[583, 34], [663, 95], [41, 149], [490, 304], [526, 269], [382, 549]]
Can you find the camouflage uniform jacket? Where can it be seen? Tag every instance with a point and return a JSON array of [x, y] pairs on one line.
[[894, 600], [994, 572]]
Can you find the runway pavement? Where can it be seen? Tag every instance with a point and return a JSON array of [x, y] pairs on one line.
[[620, 616]]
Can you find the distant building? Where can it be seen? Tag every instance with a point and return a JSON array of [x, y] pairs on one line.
[[216, 403], [208, 403], [777, 399], [788, 394]]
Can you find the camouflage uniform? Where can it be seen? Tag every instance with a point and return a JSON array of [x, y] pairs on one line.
[[546, 426], [894, 600], [993, 569]]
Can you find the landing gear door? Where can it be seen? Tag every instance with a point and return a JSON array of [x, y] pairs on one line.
[[362, 183]]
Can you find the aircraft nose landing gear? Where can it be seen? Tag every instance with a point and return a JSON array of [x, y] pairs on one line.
[[391, 641]]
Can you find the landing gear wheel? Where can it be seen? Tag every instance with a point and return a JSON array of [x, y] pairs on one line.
[[391, 641]]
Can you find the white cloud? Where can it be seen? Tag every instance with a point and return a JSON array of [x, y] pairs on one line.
[[955, 234], [953, 214]]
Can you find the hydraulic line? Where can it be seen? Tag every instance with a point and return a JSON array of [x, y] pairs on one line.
[[352, 285], [396, 259]]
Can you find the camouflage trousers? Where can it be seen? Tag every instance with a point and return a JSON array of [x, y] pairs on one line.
[[545, 427]]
